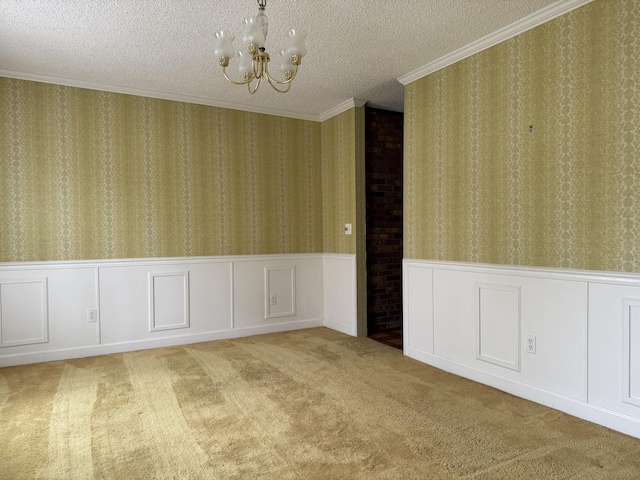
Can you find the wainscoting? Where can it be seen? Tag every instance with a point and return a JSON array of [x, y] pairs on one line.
[[566, 339], [58, 310]]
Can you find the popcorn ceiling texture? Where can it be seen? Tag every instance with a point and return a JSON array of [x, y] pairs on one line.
[[356, 49], [480, 187]]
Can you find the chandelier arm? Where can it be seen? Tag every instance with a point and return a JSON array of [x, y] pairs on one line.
[[274, 83], [257, 86], [245, 82], [258, 65], [285, 82]]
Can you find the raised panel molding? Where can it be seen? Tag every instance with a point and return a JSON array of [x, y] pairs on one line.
[[498, 321], [340, 293], [631, 352], [168, 301], [587, 326], [279, 292], [149, 303], [24, 317], [417, 330]]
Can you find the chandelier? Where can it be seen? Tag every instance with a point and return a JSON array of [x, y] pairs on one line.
[[254, 60]]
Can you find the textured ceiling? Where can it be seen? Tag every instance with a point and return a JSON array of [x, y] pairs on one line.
[[165, 47]]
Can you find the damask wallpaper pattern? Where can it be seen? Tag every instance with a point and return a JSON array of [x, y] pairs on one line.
[[528, 153], [339, 181], [89, 175]]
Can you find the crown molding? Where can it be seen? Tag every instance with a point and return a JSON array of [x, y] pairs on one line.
[[343, 107], [140, 92], [176, 97], [527, 23]]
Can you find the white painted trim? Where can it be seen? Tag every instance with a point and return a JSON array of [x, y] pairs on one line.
[[350, 327], [141, 92], [527, 23], [179, 97], [343, 107], [151, 286], [43, 282], [627, 371], [614, 278], [577, 408], [90, 351], [515, 365], [267, 292], [227, 330], [341, 327], [129, 262]]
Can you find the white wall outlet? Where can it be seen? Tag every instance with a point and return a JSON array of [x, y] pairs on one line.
[[531, 344], [92, 315], [273, 299], [347, 229]]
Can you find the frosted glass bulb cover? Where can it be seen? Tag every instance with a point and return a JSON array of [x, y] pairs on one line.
[[285, 62], [246, 63], [296, 42], [224, 44], [253, 32]]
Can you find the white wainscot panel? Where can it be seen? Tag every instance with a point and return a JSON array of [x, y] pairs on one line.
[[554, 311], [108, 306], [168, 301], [160, 299], [280, 292], [631, 353], [418, 308], [24, 319], [614, 347], [296, 283], [340, 293], [498, 325], [69, 294]]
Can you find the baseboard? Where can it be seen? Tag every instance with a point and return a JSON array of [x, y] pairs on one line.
[[571, 406], [106, 349], [340, 327]]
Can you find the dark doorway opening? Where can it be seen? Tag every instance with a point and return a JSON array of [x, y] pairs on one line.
[[383, 171]]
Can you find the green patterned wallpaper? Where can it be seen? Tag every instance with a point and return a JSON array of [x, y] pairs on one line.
[[481, 187], [338, 181], [89, 175]]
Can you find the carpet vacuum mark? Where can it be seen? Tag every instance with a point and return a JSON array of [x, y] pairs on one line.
[[309, 404]]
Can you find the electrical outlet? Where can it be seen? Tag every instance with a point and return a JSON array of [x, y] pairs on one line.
[[531, 344], [273, 299], [92, 315]]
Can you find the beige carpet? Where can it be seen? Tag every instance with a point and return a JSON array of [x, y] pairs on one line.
[[312, 404]]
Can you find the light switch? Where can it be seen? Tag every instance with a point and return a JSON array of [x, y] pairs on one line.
[[347, 229]]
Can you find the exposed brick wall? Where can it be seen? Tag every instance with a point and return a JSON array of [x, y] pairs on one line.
[[383, 146]]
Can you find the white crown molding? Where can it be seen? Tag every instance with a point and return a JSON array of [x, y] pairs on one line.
[[343, 107], [140, 92], [527, 23], [176, 97]]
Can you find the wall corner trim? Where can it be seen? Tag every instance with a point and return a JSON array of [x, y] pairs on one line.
[[527, 23], [343, 107]]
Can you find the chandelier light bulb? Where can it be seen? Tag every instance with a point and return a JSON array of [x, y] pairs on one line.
[[246, 64], [296, 42], [253, 33], [285, 63], [224, 44]]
